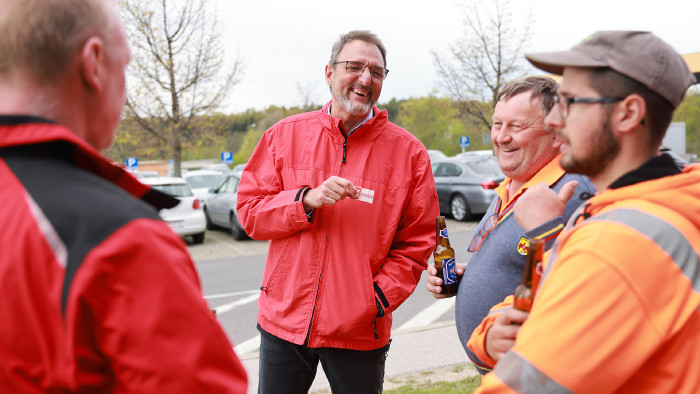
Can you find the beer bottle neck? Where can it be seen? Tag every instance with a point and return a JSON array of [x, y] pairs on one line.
[[534, 256]]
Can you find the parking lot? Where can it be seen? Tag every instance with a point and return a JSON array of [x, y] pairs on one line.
[[219, 244]]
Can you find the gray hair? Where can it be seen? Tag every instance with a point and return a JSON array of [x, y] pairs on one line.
[[540, 87], [364, 35]]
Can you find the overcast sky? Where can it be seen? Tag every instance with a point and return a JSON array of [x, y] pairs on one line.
[[285, 43]]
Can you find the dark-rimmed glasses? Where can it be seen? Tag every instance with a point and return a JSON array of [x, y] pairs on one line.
[[358, 68], [479, 238], [564, 102]]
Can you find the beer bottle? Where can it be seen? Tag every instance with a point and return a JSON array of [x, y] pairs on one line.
[[525, 292], [445, 258]]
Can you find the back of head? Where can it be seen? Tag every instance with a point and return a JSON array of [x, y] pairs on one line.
[[40, 37], [363, 35], [540, 87]]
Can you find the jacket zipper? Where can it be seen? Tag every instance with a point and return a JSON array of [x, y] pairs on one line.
[[345, 142], [313, 311]]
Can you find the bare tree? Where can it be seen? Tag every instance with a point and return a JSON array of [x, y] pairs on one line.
[[178, 70], [307, 96], [488, 55]]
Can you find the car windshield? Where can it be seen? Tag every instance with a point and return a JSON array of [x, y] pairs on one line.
[[203, 181], [487, 166], [175, 190]]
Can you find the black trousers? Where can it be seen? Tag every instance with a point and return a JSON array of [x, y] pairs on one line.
[[286, 367]]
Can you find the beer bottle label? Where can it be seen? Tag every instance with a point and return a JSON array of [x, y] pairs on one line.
[[443, 233], [449, 275]]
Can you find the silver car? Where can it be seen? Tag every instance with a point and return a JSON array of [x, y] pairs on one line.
[[201, 181], [220, 207], [465, 185]]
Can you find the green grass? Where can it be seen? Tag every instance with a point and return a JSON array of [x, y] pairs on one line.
[[467, 385]]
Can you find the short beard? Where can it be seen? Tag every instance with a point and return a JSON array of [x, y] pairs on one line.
[[602, 154], [354, 110]]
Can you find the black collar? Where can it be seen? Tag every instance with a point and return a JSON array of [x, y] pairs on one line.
[[655, 168], [13, 120]]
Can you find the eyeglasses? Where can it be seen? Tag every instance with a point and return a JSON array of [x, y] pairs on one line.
[[479, 238], [564, 102], [357, 69]]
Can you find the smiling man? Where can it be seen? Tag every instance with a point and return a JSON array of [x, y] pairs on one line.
[[618, 305], [527, 153], [348, 202]]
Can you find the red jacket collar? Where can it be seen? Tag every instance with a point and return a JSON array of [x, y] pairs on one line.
[[27, 130]]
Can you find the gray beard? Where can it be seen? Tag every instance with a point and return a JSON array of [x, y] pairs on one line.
[[355, 110]]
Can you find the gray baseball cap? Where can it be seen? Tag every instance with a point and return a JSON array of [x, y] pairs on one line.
[[639, 55]]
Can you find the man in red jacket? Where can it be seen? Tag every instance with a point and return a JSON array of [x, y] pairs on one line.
[[98, 294], [348, 202]]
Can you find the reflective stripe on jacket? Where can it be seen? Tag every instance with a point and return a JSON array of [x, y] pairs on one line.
[[618, 309], [98, 294]]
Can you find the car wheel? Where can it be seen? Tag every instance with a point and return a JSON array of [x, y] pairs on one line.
[[459, 208], [237, 231], [198, 238], [210, 224]]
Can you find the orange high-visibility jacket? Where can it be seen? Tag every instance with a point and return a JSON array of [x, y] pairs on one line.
[[618, 308]]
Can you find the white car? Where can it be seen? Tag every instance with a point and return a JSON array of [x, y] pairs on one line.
[[200, 181], [187, 217]]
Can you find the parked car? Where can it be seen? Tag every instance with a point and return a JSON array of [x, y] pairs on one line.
[[220, 167], [200, 181], [187, 217], [238, 168], [220, 207], [146, 174], [436, 155], [469, 153], [465, 185]]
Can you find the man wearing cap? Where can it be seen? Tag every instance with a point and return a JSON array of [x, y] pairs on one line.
[[618, 306]]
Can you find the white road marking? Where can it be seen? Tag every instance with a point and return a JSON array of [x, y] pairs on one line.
[[248, 346], [231, 305], [429, 314], [226, 295]]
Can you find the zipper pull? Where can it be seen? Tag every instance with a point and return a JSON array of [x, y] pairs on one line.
[[345, 135], [345, 146]]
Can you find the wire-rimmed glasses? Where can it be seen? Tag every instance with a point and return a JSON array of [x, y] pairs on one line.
[[479, 238], [358, 68]]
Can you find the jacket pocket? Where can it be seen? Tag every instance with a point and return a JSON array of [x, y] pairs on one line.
[[272, 273], [349, 307]]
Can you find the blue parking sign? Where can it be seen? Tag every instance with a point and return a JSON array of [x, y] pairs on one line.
[[464, 141], [132, 163], [227, 157]]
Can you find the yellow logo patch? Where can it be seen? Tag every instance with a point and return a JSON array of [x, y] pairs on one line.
[[523, 246]]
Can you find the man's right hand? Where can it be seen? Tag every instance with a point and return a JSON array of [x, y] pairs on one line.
[[434, 282], [539, 204], [501, 336], [329, 192]]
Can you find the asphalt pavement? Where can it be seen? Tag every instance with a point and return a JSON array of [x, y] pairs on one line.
[[423, 337]]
